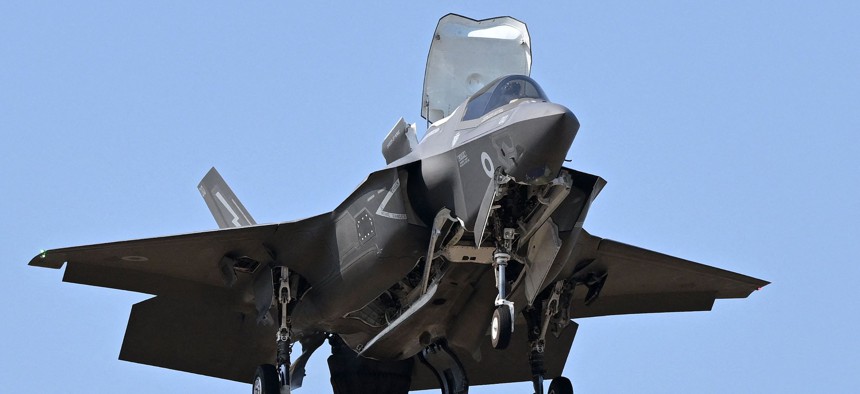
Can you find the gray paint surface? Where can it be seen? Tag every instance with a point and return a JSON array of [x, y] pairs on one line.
[[348, 269]]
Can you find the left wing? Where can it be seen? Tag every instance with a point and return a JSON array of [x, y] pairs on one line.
[[626, 279]]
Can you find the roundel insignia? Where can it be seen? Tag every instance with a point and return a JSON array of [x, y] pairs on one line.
[[487, 163]]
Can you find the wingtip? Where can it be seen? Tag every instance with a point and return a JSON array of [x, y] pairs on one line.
[[47, 260]]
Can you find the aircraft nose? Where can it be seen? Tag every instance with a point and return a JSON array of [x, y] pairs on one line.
[[542, 139]]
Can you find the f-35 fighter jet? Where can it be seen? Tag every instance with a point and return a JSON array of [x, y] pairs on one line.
[[462, 262]]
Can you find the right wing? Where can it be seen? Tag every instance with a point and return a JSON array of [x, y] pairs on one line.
[[200, 321], [638, 280], [190, 265]]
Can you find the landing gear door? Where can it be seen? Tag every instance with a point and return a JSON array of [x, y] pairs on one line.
[[467, 54], [543, 247]]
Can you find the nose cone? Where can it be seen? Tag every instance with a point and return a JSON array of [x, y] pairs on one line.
[[542, 137]]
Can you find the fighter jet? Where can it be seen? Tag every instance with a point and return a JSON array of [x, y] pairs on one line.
[[462, 262]]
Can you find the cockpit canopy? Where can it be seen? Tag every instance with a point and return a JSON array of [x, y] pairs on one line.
[[500, 92], [465, 55]]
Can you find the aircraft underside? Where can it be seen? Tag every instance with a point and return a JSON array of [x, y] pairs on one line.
[[429, 329], [462, 262]]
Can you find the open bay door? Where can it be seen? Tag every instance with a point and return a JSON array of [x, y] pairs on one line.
[[467, 54]]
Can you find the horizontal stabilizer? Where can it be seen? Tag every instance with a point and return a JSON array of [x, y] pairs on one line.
[[222, 202], [196, 337]]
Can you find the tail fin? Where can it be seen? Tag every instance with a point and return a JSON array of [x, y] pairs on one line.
[[223, 204]]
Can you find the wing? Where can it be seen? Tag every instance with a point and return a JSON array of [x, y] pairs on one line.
[[203, 319], [627, 279], [191, 265]]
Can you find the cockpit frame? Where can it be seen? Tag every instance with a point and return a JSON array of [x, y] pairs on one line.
[[500, 92]]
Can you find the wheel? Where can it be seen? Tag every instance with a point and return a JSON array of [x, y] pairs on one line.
[[266, 380], [501, 327], [560, 385]]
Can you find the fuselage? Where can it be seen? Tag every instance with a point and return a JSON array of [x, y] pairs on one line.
[[525, 137], [461, 159]]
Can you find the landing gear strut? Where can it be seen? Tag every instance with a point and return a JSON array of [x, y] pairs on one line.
[[502, 325], [275, 379], [538, 322]]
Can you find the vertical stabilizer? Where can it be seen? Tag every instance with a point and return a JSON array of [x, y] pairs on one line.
[[223, 204]]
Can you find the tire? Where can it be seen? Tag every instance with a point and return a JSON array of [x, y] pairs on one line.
[[560, 385], [501, 327], [266, 380]]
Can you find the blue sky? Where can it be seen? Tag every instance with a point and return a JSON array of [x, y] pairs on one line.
[[729, 133]]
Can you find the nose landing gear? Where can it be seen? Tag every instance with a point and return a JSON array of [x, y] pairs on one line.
[[501, 327], [502, 324]]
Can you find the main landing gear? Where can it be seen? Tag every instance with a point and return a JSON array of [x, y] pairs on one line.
[[275, 379], [266, 380], [539, 319], [560, 385]]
